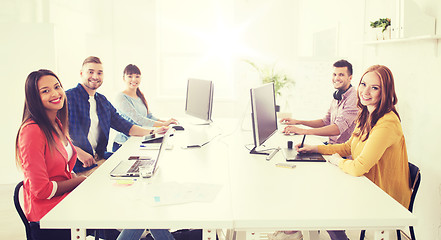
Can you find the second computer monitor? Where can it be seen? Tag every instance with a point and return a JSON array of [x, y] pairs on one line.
[[263, 114], [199, 99]]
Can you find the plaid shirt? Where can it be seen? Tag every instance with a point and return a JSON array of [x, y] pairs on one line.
[[79, 122], [343, 113]]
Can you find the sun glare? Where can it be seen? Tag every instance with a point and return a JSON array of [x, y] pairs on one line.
[[224, 41]]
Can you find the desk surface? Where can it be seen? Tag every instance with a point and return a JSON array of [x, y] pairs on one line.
[[311, 196], [99, 202], [254, 193]]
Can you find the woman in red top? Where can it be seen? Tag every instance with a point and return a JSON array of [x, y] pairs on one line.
[[44, 151]]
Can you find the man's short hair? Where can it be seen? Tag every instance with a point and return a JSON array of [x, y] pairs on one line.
[[344, 63], [91, 59]]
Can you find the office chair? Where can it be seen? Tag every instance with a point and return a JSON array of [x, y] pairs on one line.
[[23, 216], [414, 182], [20, 210]]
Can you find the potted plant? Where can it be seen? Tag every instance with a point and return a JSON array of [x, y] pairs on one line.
[[382, 24], [269, 75]]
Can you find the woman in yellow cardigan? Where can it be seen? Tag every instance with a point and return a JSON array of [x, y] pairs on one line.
[[377, 144]]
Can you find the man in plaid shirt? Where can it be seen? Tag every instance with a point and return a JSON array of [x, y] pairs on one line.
[[91, 116]]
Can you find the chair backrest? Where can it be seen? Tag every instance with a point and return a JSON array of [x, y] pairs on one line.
[[20, 210], [415, 179]]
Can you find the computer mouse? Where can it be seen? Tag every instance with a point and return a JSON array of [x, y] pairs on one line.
[[178, 128]]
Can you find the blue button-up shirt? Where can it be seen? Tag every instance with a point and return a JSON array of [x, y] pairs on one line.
[[79, 122]]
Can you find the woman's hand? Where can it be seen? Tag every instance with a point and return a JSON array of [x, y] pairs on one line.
[[306, 148], [82, 177], [161, 130], [168, 122]]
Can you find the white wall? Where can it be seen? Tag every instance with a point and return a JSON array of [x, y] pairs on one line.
[[416, 67], [416, 71], [26, 45]]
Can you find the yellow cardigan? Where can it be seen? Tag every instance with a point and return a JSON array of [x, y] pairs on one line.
[[382, 157]]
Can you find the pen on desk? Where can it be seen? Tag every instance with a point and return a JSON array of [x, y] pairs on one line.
[[145, 145], [193, 146], [303, 141]]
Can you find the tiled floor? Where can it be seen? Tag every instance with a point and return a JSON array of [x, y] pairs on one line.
[[12, 228]]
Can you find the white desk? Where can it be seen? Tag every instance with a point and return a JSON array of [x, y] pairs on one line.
[[309, 197], [255, 195]]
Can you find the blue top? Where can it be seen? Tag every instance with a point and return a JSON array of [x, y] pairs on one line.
[[79, 122], [133, 110]]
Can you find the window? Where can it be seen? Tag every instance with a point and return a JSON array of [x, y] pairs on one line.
[[195, 42]]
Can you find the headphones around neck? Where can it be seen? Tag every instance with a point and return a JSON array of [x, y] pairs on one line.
[[338, 93]]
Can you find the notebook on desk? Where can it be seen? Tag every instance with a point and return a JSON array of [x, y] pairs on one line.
[[292, 155], [130, 167]]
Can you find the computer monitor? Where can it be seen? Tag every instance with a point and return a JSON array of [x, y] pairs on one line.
[[199, 99], [263, 115]]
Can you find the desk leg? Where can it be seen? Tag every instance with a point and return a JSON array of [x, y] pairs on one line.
[[78, 233], [311, 235], [209, 234], [381, 235], [230, 235]]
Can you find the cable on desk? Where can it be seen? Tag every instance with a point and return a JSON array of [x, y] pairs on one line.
[[203, 144], [266, 150]]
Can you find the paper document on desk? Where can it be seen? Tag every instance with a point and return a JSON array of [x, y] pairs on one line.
[[178, 193]]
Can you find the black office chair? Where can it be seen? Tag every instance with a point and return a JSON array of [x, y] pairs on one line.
[[23, 216], [414, 182], [20, 210]]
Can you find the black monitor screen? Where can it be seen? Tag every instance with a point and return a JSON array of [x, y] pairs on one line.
[[263, 113], [199, 98]]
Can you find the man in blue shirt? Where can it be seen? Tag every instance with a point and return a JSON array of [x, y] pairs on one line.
[[91, 116]]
